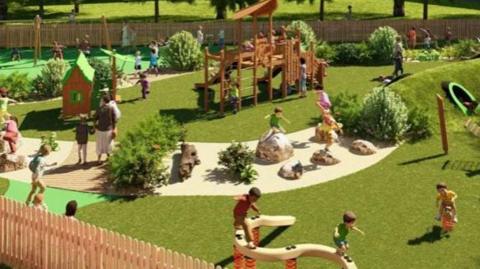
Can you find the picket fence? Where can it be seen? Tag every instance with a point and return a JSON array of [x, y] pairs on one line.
[[331, 31], [32, 238]]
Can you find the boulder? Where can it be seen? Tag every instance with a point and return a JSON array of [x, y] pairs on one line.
[[321, 135], [291, 170], [274, 147], [363, 147], [188, 160], [12, 162], [322, 157]]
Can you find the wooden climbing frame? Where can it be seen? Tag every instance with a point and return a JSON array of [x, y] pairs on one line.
[[37, 44]]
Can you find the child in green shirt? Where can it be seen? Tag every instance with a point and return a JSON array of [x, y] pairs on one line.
[[234, 97], [341, 232], [275, 119]]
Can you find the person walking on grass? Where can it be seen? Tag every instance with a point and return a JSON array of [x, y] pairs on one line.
[[145, 84], [37, 166], [105, 124], [244, 203], [398, 57]]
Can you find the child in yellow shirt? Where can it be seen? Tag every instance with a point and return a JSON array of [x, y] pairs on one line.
[[445, 197]]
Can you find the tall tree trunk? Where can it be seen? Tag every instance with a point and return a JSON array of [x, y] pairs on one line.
[[399, 8], [322, 9], [3, 9], [41, 8], [157, 10], [76, 6], [221, 13], [425, 9]]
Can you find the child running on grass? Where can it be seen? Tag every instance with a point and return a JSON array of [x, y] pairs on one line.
[[37, 167], [341, 232], [275, 119], [323, 101], [244, 203], [446, 197], [145, 85]]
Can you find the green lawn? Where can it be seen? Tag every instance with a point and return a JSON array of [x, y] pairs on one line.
[[201, 10], [176, 97], [3, 186]]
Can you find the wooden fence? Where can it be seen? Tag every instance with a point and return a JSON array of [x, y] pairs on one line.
[[331, 31], [32, 238]]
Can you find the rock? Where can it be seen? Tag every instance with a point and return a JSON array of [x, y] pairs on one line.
[[363, 147], [322, 157], [274, 147], [12, 162], [321, 135], [188, 160], [291, 170]]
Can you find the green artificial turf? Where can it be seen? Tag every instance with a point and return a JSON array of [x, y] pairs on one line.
[[176, 97], [201, 10]]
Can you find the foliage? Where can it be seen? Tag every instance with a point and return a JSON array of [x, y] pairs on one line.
[[325, 51], [448, 52], [428, 55], [347, 109], [184, 53], [307, 35], [138, 161], [352, 53], [381, 43], [384, 115], [18, 84], [238, 158], [103, 73], [419, 124], [466, 48], [50, 82], [50, 140]]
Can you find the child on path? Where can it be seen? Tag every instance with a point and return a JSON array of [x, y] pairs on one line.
[[38, 202], [37, 166], [341, 232], [445, 197], [329, 126], [15, 55], [4, 100], [145, 85], [303, 78], [244, 203], [275, 118], [81, 135], [138, 63], [323, 101]]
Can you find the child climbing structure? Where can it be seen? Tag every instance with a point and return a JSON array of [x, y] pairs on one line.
[[245, 257], [276, 54]]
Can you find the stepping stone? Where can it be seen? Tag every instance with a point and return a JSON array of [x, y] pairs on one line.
[[322, 157], [274, 147], [363, 147]]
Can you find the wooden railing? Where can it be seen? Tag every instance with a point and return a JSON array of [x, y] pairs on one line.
[[32, 238], [332, 31]]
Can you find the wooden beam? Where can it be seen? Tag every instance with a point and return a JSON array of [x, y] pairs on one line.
[[222, 82], [114, 76], [270, 60], [108, 44], [443, 125], [205, 87], [255, 64]]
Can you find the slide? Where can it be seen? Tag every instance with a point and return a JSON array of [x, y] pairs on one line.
[[460, 96], [216, 78], [276, 70], [120, 57], [289, 252]]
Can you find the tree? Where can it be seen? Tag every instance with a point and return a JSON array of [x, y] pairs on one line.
[[321, 6], [41, 8], [399, 8], [3, 10], [76, 6], [425, 9], [157, 6], [221, 6]]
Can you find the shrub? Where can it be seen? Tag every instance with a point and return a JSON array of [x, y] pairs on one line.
[[184, 53], [384, 115], [238, 158], [138, 161], [419, 124], [352, 53], [18, 84], [103, 73], [325, 51], [381, 43], [428, 55], [347, 109], [307, 35], [50, 81], [466, 48], [50, 140], [448, 52]]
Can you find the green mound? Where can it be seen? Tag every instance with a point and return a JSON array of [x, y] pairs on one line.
[[3, 186]]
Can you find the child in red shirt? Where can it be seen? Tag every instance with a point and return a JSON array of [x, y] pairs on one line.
[[244, 203]]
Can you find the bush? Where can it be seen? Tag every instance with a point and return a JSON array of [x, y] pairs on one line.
[[466, 48], [103, 73], [384, 115], [419, 124], [50, 82], [307, 35], [18, 84], [428, 55], [448, 52], [184, 53], [347, 109], [381, 43], [138, 161], [352, 53], [50, 140], [325, 51], [238, 158]]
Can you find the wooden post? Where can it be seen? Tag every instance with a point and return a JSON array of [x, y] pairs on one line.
[[114, 76], [443, 126], [37, 40], [285, 68], [239, 78], [108, 44], [255, 63], [205, 87], [298, 45], [222, 81], [270, 62], [312, 64]]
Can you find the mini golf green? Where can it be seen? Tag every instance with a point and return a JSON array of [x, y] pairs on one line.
[[55, 199]]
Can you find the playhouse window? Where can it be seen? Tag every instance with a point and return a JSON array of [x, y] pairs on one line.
[[75, 97]]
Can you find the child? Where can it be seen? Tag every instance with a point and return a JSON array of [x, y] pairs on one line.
[[303, 78], [446, 198], [221, 39], [341, 232], [244, 203], [145, 85], [11, 133], [81, 135], [37, 167], [323, 102], [4, 100], [329, 126], [200, 35], [84, 46], [15, 55], [234, 97], [57, 51], [38, 202], [153, 61], [275, 120], [448, 219], [138, 63], [71, 209]]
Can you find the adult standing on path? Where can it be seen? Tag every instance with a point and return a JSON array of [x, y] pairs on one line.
[[105, 124]]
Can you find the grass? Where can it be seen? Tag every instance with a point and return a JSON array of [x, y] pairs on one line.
[[176, 97], [201, 10], [3, 186]]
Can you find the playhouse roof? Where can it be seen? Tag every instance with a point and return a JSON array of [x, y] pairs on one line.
[[265, 7], [85, 68]]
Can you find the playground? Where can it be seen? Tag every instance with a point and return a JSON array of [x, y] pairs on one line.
[[392, 190]]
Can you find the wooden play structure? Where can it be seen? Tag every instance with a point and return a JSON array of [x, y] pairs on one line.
[[277, 54], [78, 88], [37, 44]]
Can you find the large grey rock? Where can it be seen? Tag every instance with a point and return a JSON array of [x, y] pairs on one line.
[[12, 162], [274, 147], [291, 170], [322, 157], [188, 160], [363, 147]]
